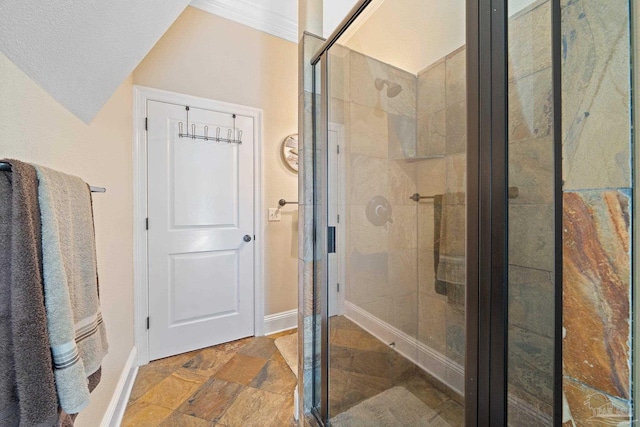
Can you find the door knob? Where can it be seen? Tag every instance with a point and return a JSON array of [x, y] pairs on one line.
[[246, 238]]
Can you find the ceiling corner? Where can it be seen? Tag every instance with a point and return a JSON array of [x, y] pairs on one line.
[[270, 17]]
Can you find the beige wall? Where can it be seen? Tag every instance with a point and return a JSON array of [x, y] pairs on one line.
[[211, 57], [35, 128]]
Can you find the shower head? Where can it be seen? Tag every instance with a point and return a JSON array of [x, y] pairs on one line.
[[393, 89]]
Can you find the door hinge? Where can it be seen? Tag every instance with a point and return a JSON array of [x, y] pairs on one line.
[[146, 223], [338, 287], [338, 218], [147, 323], [338, 149], [146, 123]]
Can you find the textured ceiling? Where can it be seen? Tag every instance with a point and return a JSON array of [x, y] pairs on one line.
[[81, 51]]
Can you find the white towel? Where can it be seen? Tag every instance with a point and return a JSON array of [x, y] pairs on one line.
[[76, 332]]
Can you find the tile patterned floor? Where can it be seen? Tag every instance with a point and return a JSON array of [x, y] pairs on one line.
[[241, 383], [247, 383], [361, 367]]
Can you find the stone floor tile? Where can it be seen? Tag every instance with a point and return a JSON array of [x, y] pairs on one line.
[[148, 376], [275, 377], [173, 390], [259, 347], [180, 420], [211, 400], [254, 408], [208, 361], [241, 369], [143, 414]]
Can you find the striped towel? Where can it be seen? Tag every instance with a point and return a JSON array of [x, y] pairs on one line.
[[76, 332]]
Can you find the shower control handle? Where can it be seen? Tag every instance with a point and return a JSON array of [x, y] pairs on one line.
[[246, 238]]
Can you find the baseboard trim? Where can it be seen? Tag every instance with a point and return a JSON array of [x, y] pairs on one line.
[[278, 322], [118, 404], [434, 363]]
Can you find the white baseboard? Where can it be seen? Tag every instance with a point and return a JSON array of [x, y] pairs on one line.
[[279, 322], [434, 363], [118, 404]]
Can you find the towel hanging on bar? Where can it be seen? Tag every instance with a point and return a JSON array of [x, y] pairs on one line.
[[6, 167]]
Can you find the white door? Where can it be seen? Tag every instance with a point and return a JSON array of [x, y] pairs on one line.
[[336, 218], [201, 261]]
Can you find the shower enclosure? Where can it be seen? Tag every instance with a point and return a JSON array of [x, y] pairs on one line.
[[433, 146]]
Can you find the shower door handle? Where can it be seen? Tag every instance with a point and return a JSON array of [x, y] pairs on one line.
[[331, 240]]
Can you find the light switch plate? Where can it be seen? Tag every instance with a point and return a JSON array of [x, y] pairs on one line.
[[274, 214]]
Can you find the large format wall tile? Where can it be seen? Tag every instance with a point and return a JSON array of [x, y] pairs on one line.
[[596, 94], [597, 289], [530, 41], [531, 106], [531, 168], [456, 76]]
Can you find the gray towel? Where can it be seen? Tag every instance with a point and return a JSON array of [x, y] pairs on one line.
[[76, 331], [27, 390]]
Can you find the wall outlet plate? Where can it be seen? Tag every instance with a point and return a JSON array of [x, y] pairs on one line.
[[274, 214]]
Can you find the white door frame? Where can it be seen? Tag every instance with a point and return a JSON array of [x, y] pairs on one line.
[[140, 248]]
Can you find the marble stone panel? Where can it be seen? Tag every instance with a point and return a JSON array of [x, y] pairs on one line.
[[531, 236], [586, 406], [338, 111], [456, 131], [596, 94], [402, 137], [432, 88], [531, 106], [368, 178], [456, 77], [363, 73], [369, 131], [402, 231], [432, 133], [402, 182], [404, 103], [531, 167], [530, 43], [597, 289]]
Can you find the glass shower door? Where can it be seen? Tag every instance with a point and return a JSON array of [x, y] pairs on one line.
[[533, 212]]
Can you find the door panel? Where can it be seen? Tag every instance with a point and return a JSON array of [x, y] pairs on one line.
[[201, 290]]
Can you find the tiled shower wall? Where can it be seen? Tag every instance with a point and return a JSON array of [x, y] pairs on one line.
[[597, 147], [597, 203]]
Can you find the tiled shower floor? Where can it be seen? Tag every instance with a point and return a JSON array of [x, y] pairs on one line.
[[362, 367]]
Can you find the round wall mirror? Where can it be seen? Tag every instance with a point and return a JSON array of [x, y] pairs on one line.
[[290, 152]]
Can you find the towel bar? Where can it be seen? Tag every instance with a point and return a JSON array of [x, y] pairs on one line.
[[283, 202], [514, 192], [6, 167]]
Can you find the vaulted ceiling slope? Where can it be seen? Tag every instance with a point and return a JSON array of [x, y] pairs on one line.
[[81, 51]]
